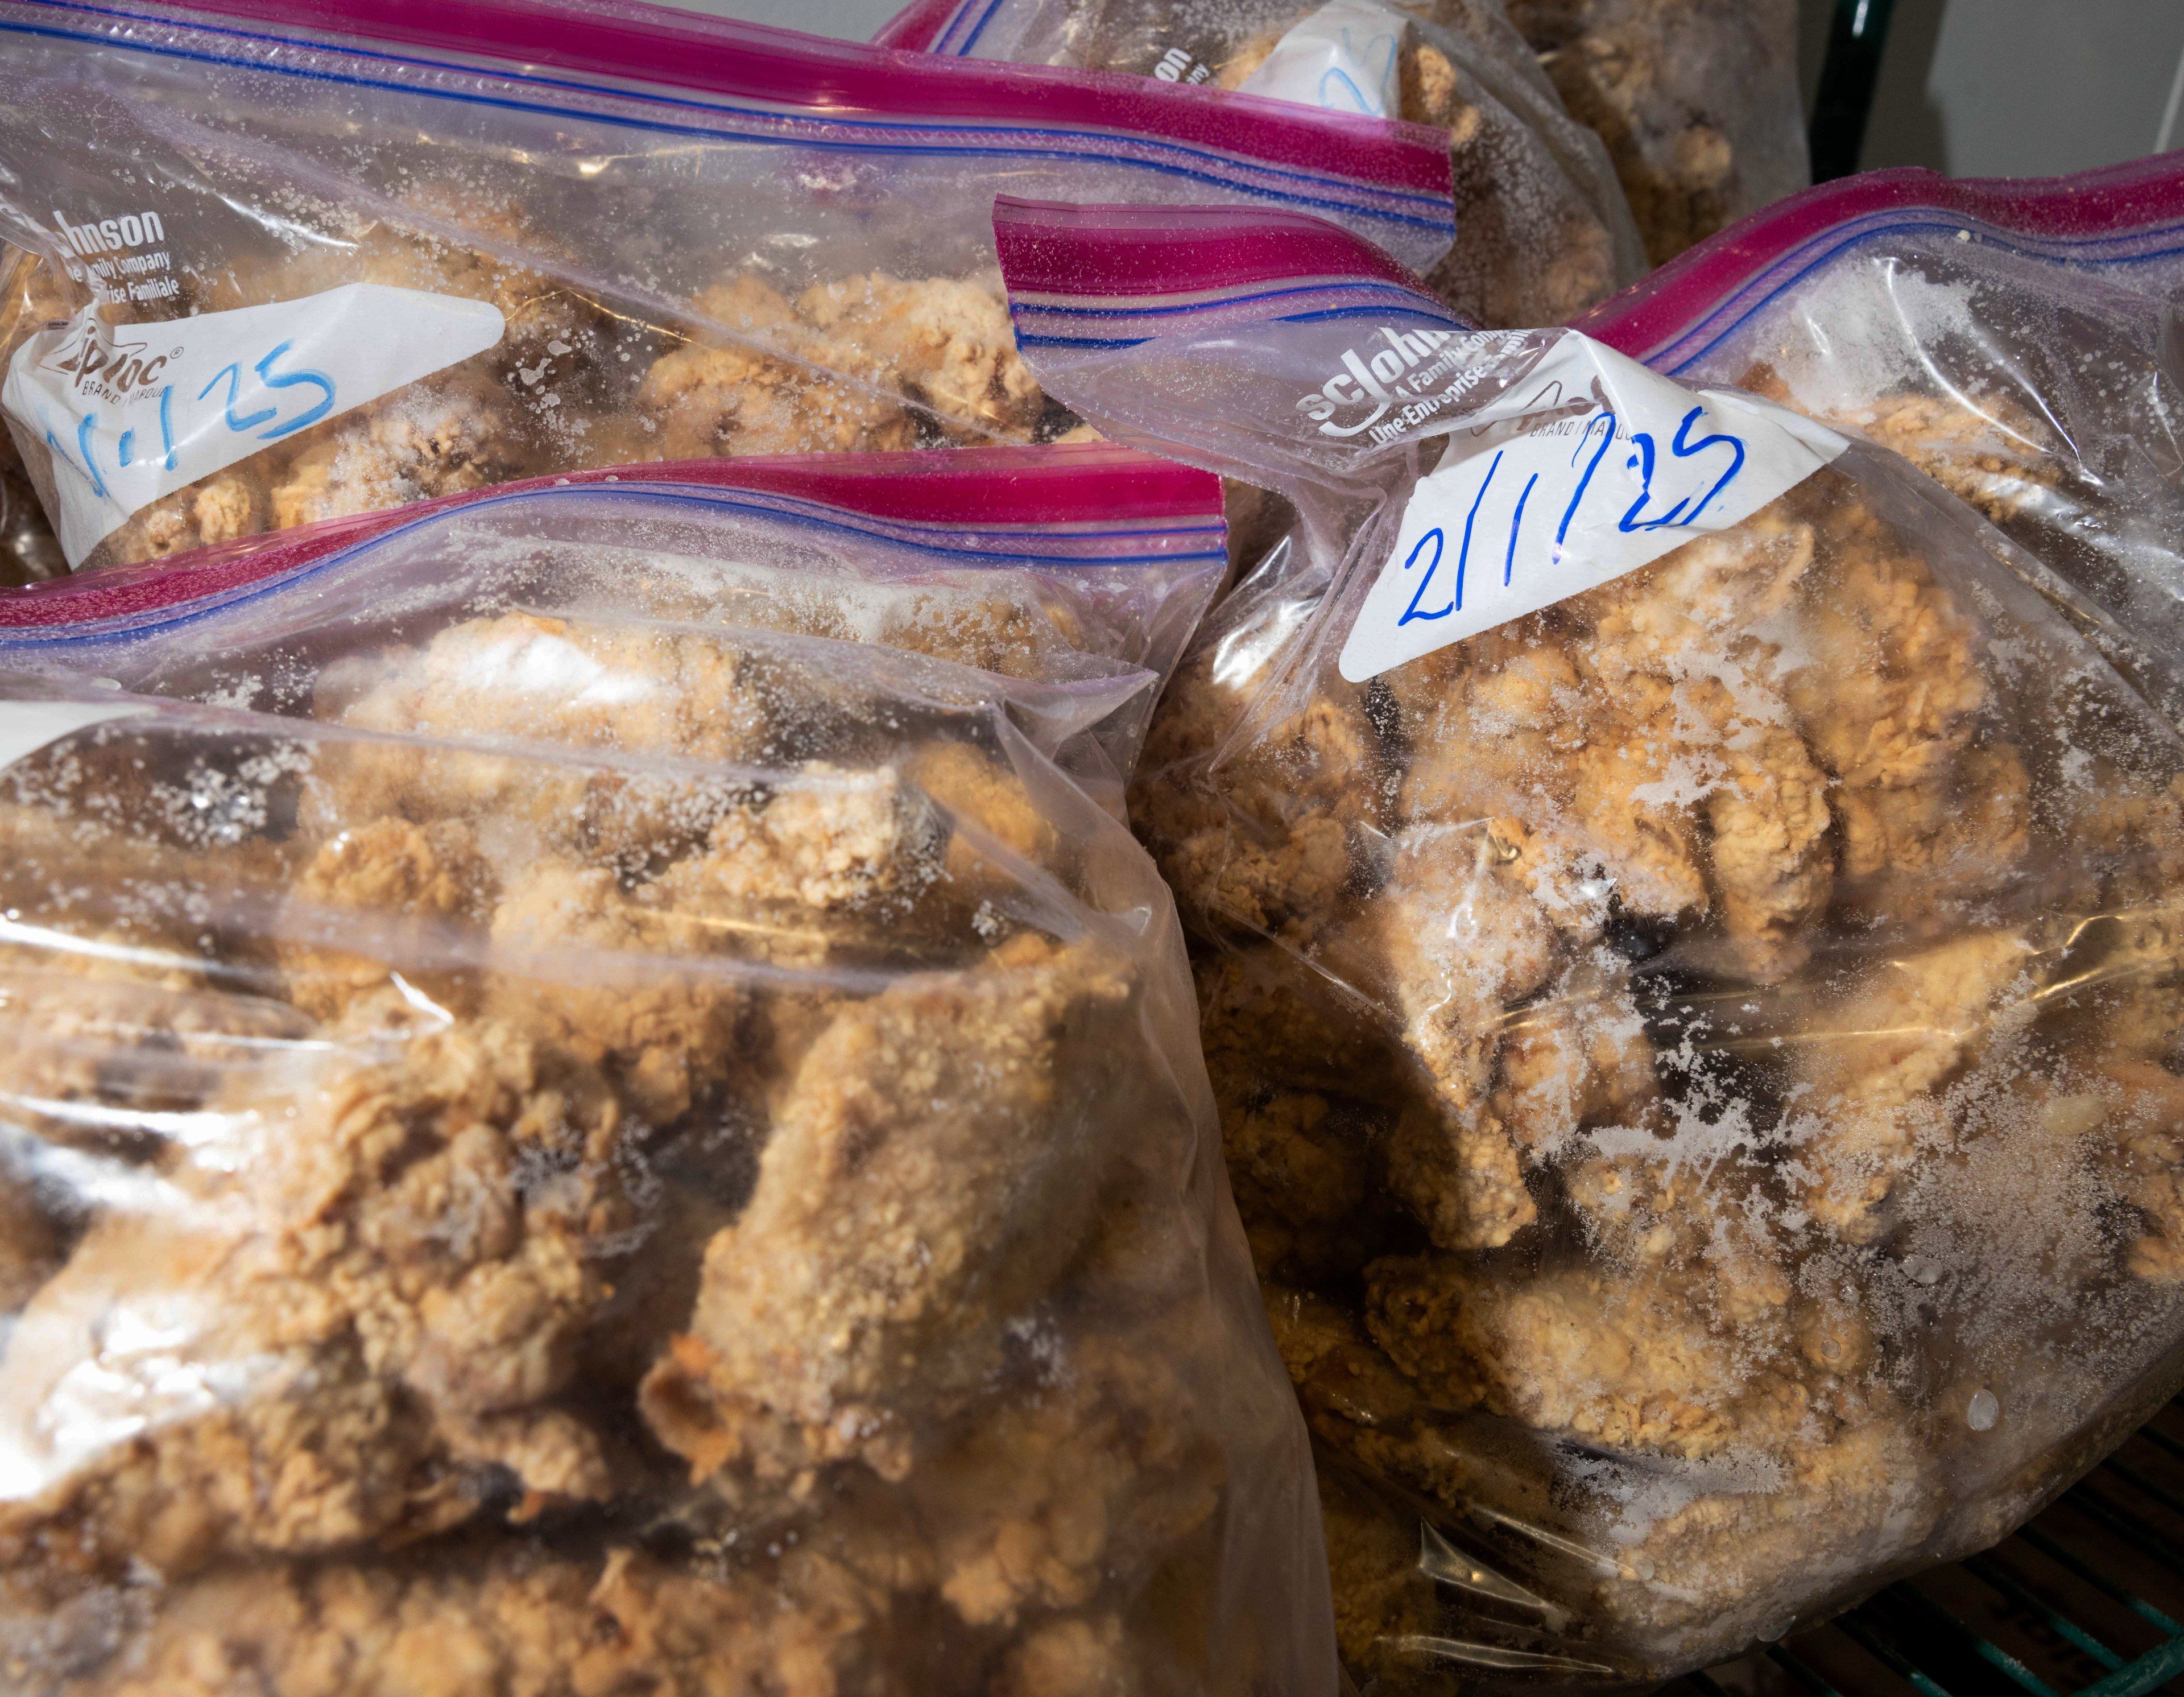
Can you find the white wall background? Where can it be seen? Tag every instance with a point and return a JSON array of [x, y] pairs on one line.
[[2017, 87], [852, 19]]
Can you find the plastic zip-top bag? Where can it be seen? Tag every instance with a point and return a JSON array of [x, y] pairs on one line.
[[595, 1098], [400, 251], [1541, 228], [1688, 959], [2014, 340], [1698, 100]]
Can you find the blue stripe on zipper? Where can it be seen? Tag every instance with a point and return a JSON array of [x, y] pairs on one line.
[[1032, 339], [1949, 227], [984, 19], [759, 114], [1027, 341], [1225, 301]]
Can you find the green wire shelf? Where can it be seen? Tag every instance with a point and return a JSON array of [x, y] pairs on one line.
[[2086, 1601]]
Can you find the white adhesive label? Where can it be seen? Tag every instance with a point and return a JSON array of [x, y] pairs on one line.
[[1609, 467], [1343, 57], [132, 412], [26, 726]]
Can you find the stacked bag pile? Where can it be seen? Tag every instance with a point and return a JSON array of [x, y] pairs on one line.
[[1055, 861]]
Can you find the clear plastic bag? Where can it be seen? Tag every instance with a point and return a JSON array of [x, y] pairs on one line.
[[2013, 339], [398, 254], [1688, 957], [1698, 101], [595, 1098], [1541, 228]]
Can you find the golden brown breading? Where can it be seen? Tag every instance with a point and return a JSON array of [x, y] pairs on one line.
[[1286, 1160], [946, 344], [318, 1318], [1458, 1173], [1878, 1056], [1681, 94], [1531, 245], [1459, 937], [619, 688], [783, 389], [227, 505], [1098, 1472], [385, 869], [909, 1199], [1071, 1657], [510, 1621], [1577, 1058], [664, 1029], [1847, 1504], [438, 437], [1649, 1366]]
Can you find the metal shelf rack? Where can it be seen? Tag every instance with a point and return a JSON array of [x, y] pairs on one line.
[[2086, 1601]]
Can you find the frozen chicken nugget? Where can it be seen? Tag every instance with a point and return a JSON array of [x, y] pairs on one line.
[[947, 343], [440, 437], [783, 388], [387, 867], [482, 1616], [1094, 1475], [1881, 1057], [621, 688], [383, 1270], [911, 1196]]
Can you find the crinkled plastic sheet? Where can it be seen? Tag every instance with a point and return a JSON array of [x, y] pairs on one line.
[[589, 1103], [1699, 1064], [2041, 392]]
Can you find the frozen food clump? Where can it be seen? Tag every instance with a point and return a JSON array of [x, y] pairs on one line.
[[2033, 388], [857, 362], [597, 1152], [1696, 1037], [1698, 101], [1694, 1024]]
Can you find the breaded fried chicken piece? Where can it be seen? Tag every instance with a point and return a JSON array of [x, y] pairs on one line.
[[227, 505], [1878, 1057], [503, 1619], [914, 1192], [1649, 1366], [1099, 1472], [1890, 696], [384, 869], [624, 993], [784, 388], [946, 344], [586, 684], [440, 436], [323, 1314]]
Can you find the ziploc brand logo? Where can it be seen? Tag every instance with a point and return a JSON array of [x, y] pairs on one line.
[[130, 413], [1591, 467], [1394, 372], [112, 235], [111, 362]]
